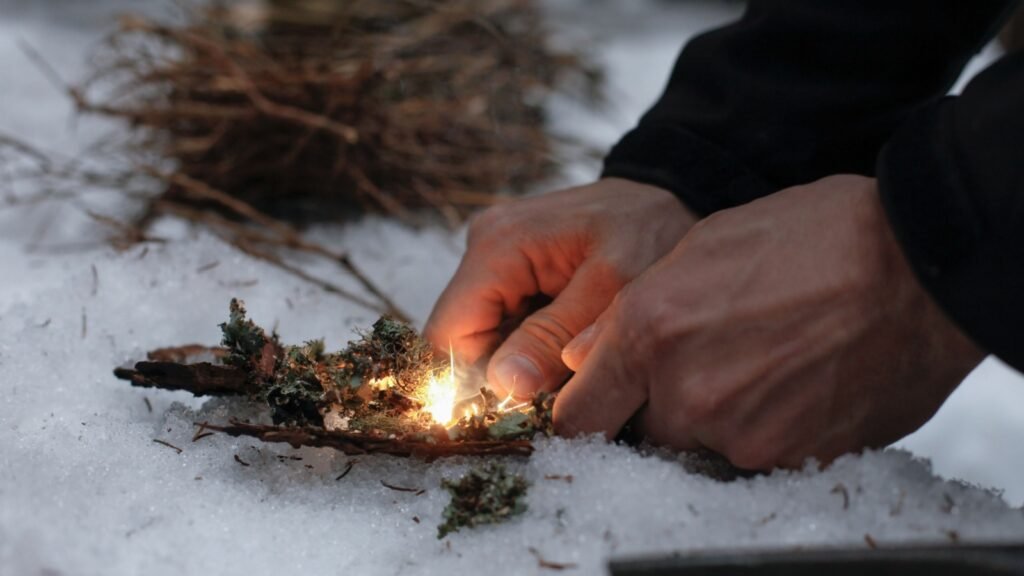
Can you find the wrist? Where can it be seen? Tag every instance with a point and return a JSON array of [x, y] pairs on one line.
[[662, 195]]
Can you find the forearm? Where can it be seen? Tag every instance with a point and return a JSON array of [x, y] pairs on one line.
[[952, 182], [797, 90]]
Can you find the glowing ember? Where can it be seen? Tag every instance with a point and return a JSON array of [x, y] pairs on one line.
[[384, 383]]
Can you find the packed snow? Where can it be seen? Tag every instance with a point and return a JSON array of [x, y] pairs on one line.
[[84, 489]]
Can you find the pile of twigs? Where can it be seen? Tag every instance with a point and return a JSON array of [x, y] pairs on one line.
[[315, 108], [252, 118]]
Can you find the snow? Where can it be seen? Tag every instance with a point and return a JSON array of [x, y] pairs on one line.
[[85, 490]]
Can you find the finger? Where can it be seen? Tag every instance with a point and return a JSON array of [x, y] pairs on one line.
[[577, 350], [662, 425], [484, 290], [603, 395], [530, 359]]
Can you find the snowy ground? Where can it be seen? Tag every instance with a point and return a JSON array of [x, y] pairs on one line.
[[85, 490]]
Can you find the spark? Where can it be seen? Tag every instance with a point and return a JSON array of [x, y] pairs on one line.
[[440, 393]]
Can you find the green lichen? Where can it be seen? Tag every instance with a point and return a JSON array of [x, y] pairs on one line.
[[242, 337], [511, 426], [543, 405], [296, 391], [485, 495], [301, 384], [391, 348], [491, 422]]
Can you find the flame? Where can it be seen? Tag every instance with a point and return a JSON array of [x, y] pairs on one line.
[[439, 399], [384, 383]]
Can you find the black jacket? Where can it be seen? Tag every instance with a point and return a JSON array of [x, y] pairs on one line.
[[801, 89]]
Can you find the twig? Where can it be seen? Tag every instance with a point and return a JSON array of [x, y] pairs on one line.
[[200, 433], [322, 284], [543, 563], [246, 240], [168, 444], [348, 468], [416, 491], [49, 71]]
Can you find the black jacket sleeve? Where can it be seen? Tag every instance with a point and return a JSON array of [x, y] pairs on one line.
[[801, 89], [952, 182]]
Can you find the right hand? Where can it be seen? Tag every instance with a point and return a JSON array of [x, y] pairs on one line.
[[578, 246]]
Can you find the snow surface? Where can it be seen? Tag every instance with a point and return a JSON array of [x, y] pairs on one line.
[[85, 490]]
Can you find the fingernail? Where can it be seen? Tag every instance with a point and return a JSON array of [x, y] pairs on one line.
[[519, 373], [580, 342]]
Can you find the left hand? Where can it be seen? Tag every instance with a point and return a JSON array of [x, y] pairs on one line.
[[788, 328]]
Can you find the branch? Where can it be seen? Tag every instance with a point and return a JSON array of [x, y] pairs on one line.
[[354, 443], [203, 379]]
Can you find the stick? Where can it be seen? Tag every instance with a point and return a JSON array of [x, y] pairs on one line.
[[203, 379], [356, 444]]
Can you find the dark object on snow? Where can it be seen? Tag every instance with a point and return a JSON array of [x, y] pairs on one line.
[[203, 379], [959, 560], [486, 495]]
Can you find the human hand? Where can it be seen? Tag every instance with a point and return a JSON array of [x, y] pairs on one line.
[[788, 328], [578, 246]]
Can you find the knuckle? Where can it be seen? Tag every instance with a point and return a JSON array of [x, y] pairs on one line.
[[547, 329], [639, 331], [710, 221], [487, 221], [646, 326], [610, 273]]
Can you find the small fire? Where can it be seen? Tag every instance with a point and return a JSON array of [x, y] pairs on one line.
[[439, 399], [384, 383]]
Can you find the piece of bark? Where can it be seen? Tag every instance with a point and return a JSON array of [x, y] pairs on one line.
[[187, 353], [356, 443], [202, 379]]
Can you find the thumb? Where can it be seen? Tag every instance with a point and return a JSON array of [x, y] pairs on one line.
[[530, 359]]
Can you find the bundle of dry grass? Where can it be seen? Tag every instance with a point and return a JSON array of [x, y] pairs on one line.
[[303, 108], [251, 117]]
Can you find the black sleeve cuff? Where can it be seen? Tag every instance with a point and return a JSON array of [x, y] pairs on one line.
[[973, 273], [704, 176]]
